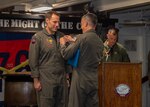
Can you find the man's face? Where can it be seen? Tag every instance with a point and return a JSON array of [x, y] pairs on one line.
[[53, 23], [111, 38]]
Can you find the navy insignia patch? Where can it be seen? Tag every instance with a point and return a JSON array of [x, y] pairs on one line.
[[33, 41]]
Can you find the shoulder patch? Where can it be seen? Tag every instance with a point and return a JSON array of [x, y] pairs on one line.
[[33, 40]]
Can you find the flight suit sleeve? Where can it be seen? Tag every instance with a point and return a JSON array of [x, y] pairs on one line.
[[69, 51], [34, 52]]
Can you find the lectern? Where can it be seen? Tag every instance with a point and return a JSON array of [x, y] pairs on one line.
[[120, 84]]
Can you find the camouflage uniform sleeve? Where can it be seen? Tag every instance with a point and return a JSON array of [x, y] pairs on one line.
[[34, 56]]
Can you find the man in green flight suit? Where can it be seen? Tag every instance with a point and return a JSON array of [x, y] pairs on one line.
[[47, 65], [84, 83]]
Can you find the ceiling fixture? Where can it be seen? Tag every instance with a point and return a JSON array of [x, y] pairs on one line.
[[66, 3], [42, 7]]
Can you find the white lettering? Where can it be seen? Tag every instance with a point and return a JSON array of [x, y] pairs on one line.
[[70, 25], [15, 23], [66, 25], [63, 25], [78, 26], [19, 23], [1, 22], [36, 24], [6, 23], [30, 24], [43, 24], [24, 23]]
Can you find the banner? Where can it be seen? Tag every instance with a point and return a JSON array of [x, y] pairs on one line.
[[31, 23], [10, 57], [13, 49]]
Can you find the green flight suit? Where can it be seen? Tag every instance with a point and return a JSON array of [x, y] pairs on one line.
[[48, 65], [84, 84]]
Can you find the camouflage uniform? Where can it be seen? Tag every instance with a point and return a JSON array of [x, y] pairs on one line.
[[47, 64]]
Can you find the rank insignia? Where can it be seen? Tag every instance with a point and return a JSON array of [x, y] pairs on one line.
[[50, 41]]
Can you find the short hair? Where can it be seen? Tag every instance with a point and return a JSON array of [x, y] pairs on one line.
[[91, 18], [50, 13], [114, 30]]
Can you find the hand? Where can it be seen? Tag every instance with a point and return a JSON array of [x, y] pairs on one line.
[[68, 83], [62, 41], [68, 80], [37, 84], [69, 38]]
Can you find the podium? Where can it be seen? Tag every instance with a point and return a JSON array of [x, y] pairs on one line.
[[120, 84]]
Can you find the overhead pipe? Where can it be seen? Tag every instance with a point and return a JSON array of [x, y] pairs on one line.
[[68, 3]]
